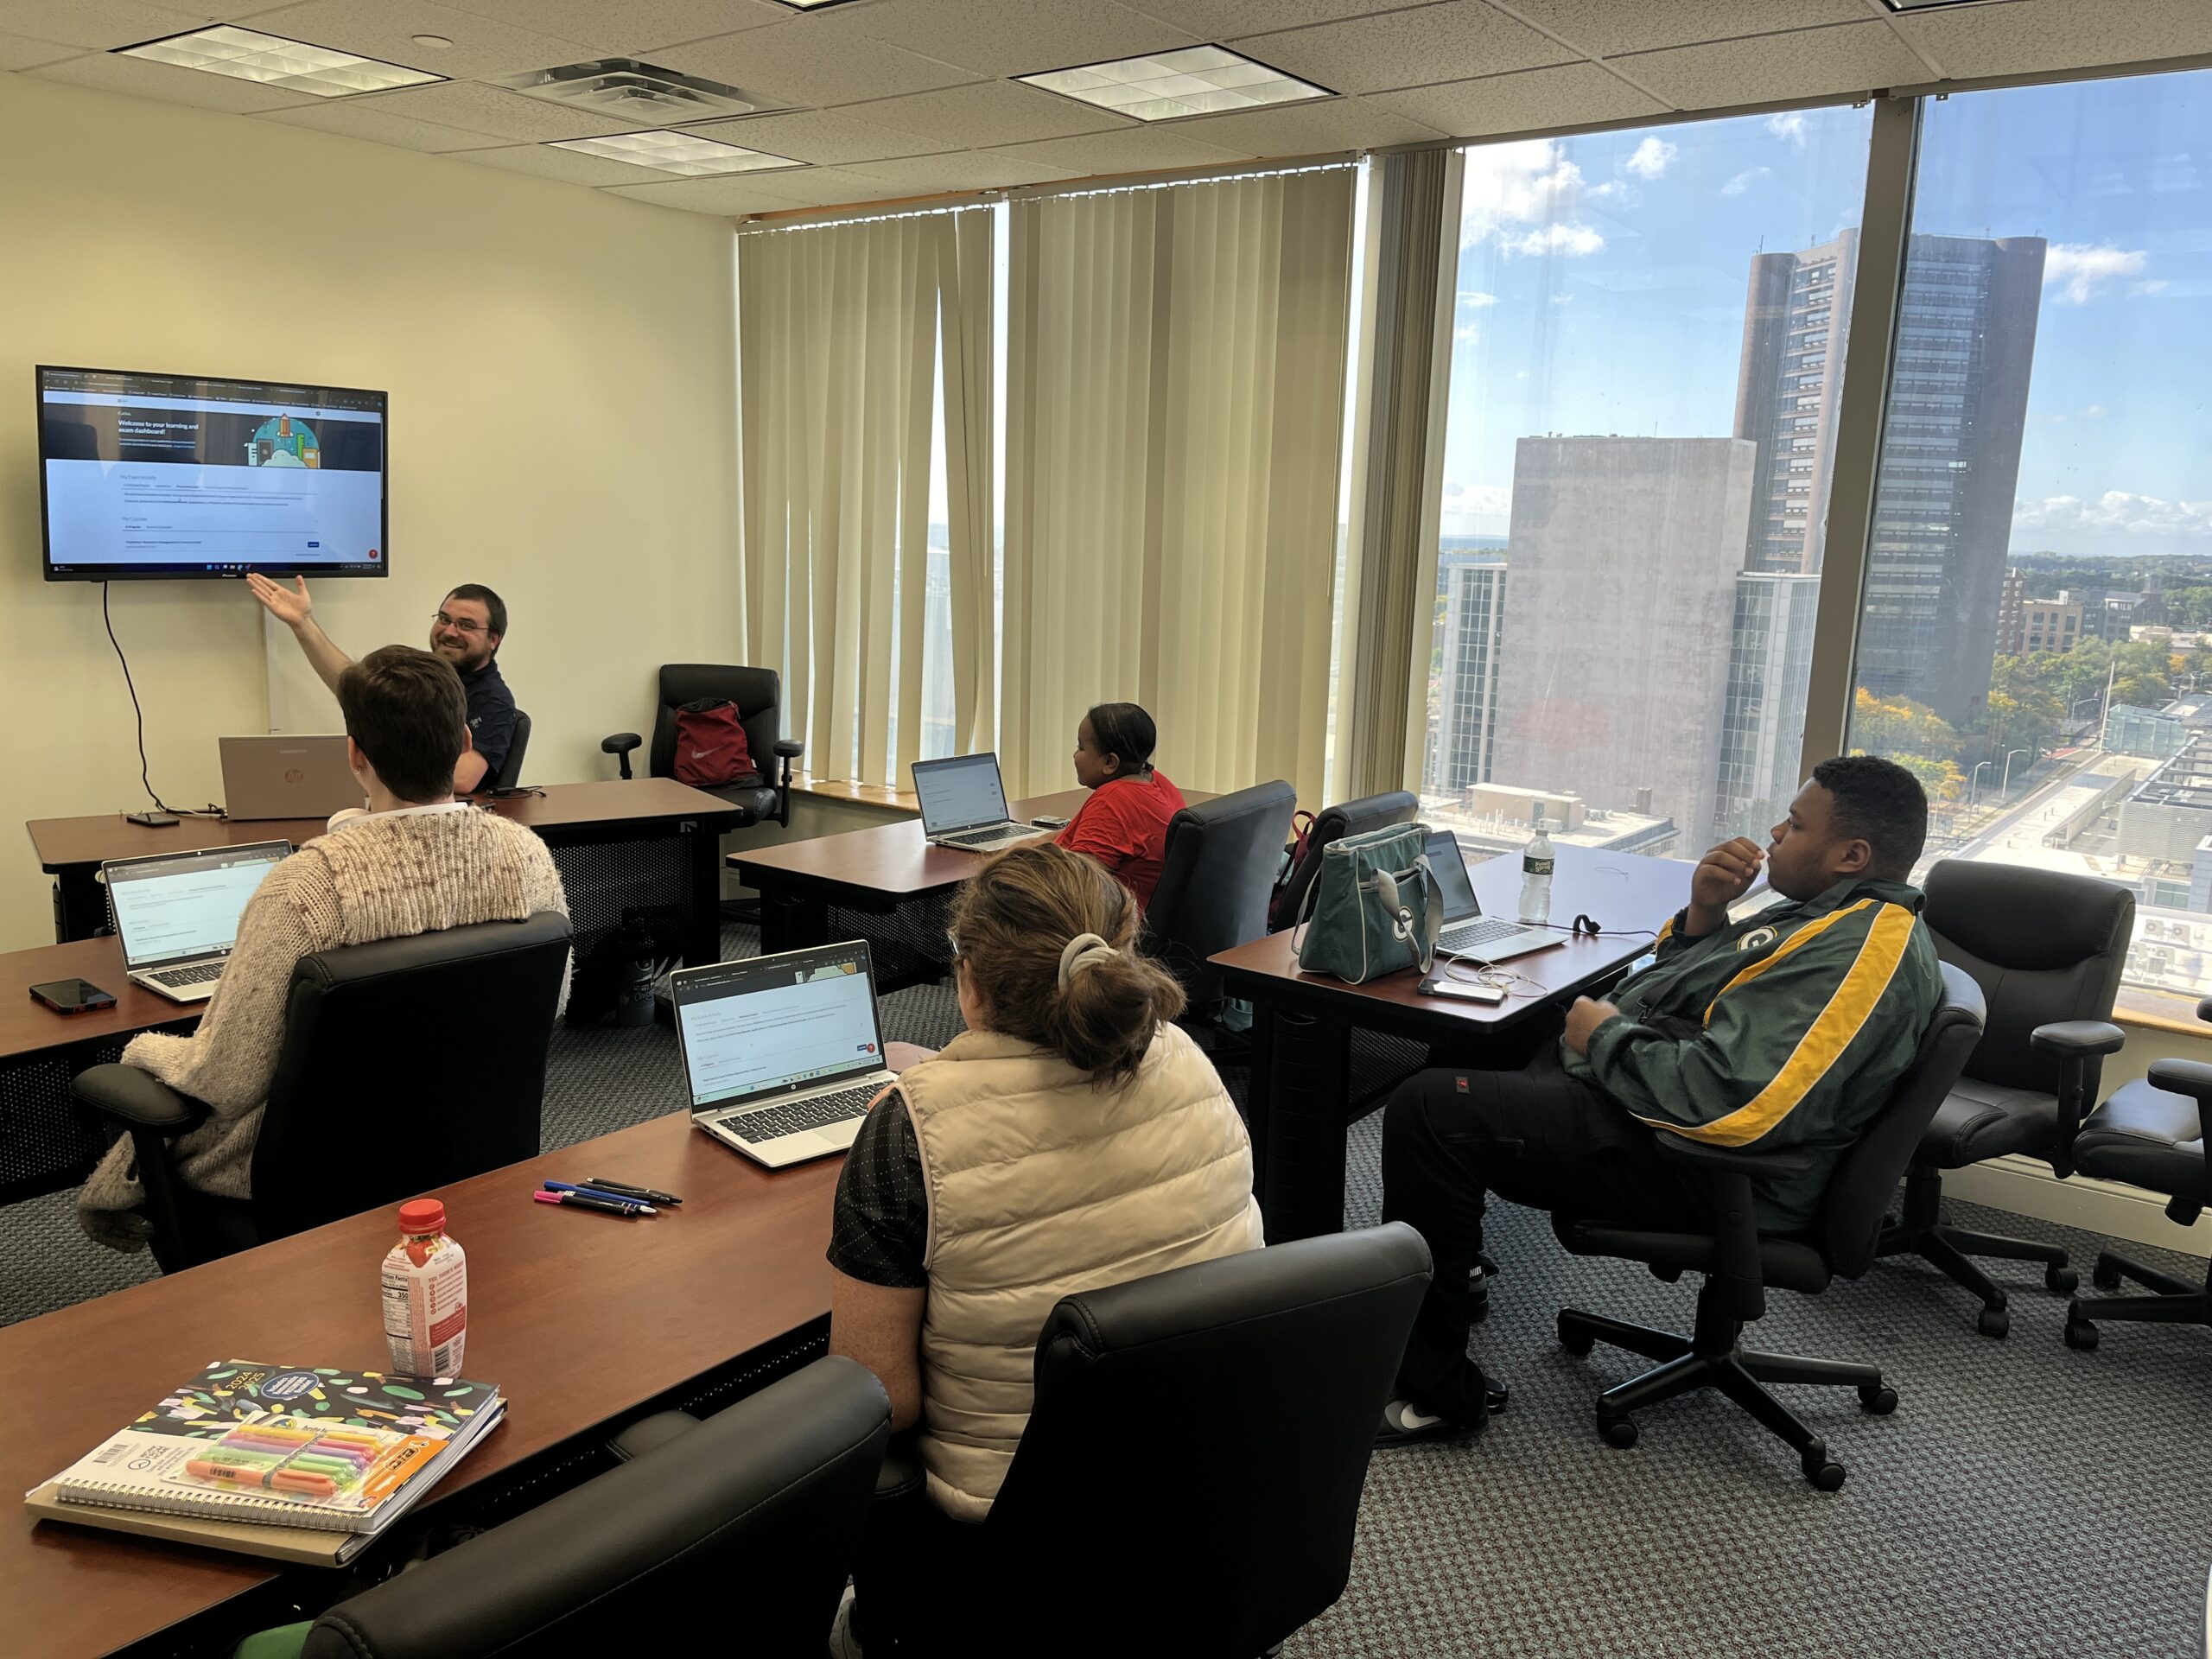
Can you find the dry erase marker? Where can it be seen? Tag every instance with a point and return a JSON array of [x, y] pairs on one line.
[[627, 1191], [577, 1200], [604, 1194]]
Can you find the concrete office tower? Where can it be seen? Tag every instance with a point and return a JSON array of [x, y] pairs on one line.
[[1624, 555], [1763, 726], [1474, 615], [1950, 446]]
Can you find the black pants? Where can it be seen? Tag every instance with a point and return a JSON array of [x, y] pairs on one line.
[[1536, 1136], [918, 1570]]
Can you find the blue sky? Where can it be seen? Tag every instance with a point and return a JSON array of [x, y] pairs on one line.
[[1602, 281]]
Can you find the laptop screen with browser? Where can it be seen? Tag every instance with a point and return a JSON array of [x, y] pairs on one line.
[[773, 1024], [960, 793], [186, 905]]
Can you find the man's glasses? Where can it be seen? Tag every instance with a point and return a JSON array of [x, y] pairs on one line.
[[458, 624]]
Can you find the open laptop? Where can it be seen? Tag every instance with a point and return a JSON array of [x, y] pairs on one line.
[[782, 1054], [964, 804], [286, 778], [1467, 931], [177, 914]]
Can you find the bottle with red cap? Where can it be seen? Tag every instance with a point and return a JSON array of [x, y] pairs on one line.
[[425, 1294]]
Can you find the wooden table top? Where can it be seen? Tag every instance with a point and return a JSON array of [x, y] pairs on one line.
[[64, 843], [1621, 892], [580, 1318], [892, 858], [26, 1027]]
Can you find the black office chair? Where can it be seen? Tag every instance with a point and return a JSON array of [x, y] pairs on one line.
[[1215, 879], [1739, 1264], [1334, 823], [2047, 949], [456, 1023], [757, 696], [2151, 1135], [741, 1538], [509, 775]]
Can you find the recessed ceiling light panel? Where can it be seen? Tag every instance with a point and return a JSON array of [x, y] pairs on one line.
[[680, 153], [272, 60], [1199, 80], [631, 91]]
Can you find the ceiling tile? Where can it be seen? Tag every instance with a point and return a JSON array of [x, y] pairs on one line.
[[19, 51], [568, 165], [1220, 20], [993, 38], [495, 113], [961, 169], [1847, 58], [2036, 35], [818, 136], [1605, 27], [1407, 49], [1564, 96], [728, 197], [626, 28], [1143, 149], [1318, 127], [96, 23], [833, 186], [167, 84], [386, 28], [813, 61], [365, 118], [988, 113]]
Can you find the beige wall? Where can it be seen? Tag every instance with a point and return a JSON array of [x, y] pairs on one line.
[[561, 370]]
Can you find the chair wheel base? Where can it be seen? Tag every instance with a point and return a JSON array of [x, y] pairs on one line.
[[1878, 1399], [2080, 1332], [2104, 1275], [1576, 1340], [1993, 1322], [1618, 1432], [1826, 1477], [2061, 1282]]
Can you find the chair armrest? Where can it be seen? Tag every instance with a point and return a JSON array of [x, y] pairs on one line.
[[1732, 1161], [2191, 1077], [2078, 1039], [2204, 1008], [787, 749], [137, 1099], [790, 747], [619, 745]]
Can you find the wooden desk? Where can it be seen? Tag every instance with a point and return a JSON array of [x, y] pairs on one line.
[[583, 1319], [1302, 1023], [44, 1144], [622, 848]]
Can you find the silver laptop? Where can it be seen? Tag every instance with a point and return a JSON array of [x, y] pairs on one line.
[[782, 1054], [1467, 931], [177, 914], [964, 804], [286, 778]]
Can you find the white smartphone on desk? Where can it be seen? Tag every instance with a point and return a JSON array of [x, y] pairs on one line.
[[1467, 990]]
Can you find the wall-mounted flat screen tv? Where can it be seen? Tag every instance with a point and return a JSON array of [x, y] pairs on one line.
[[165, 475]]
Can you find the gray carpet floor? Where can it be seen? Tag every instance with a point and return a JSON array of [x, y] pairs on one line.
[[2024, 1500]]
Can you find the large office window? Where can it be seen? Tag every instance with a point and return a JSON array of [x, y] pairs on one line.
[[2038, 588], [1644, 377]]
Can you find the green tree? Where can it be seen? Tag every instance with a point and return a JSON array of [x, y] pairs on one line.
[[1896, 727]]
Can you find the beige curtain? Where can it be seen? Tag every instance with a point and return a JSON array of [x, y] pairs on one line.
[[838, 338], [1175, 405], [964, 284]]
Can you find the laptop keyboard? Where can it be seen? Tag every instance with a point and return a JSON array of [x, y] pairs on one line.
[[769, 1123], [985, 838], [199, 974], [1470, 936]]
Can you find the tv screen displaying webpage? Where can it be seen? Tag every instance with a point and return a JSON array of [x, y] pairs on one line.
[[157, 475]]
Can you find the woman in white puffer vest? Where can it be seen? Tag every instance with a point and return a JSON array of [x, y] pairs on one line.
[[1071, 1137]]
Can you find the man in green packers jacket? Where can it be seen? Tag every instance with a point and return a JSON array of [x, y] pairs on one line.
[[1786, 1029]]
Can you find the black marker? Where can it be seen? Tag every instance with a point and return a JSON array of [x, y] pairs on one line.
[[645, 1193]]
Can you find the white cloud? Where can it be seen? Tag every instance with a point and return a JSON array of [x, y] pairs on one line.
[[1562, 299], [1465, 334], [1790, 125], [1527, 183], [1613, 191], [1473, 299], [2156, 285], [1480, 509], [2118, 512], [1651, 157], [2084, 268], [2093, 412], [1743, 180]]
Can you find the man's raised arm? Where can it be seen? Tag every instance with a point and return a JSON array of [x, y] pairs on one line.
[[292, 606]]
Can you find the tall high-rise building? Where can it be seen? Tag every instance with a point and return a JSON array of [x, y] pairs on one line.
[[1763, 723], [1614, 655], [1474, 615], [1950, 446]]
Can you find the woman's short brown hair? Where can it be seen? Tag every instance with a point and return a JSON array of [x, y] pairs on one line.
[[1012, 919], [407, 710]]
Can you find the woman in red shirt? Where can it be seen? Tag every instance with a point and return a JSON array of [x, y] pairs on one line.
[[1124, 823]]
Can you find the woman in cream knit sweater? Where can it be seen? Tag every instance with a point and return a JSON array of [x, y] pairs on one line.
[[408, 866]]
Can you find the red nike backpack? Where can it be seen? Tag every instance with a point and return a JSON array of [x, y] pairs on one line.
[[710, 746]]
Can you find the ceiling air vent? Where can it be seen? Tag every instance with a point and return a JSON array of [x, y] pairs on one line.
[[643, 94]]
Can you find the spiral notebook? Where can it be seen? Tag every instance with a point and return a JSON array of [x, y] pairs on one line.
[[288, 1448]]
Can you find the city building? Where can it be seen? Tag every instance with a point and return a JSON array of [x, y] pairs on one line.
[[1762, 719], [1474, 613], [2167, 816], [1950, 446], [2048, 625], [1494, 819], [2011, 600], [2155, 732], [1615, 649]]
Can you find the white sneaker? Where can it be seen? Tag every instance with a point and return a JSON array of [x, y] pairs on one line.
[[842, 1643]]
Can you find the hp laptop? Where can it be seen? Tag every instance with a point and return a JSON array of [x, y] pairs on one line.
[[177, 914], [782, 1054], [964, 804], [286, 778], [1467, 931]]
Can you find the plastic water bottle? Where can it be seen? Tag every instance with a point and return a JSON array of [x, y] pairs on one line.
[[1536, 876], [425, 1294]]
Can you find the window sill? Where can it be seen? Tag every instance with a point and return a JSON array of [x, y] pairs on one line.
[[838, 789], [2159, 1011]]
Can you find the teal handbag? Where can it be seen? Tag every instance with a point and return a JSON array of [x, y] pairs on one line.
[[1376, 907]]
